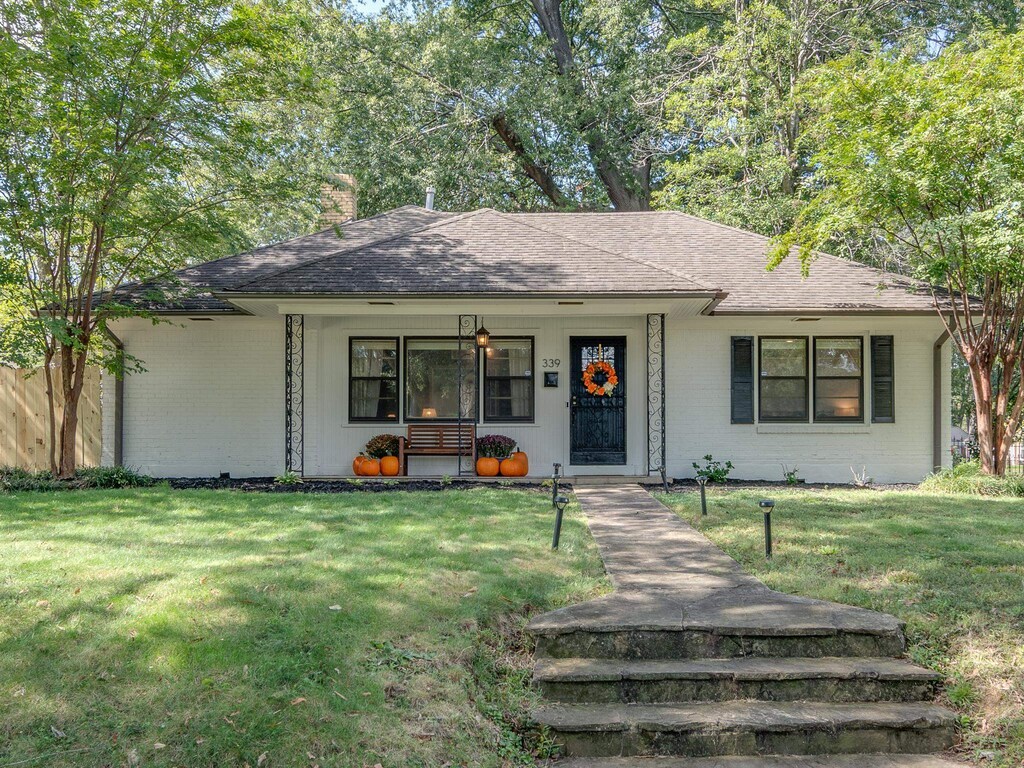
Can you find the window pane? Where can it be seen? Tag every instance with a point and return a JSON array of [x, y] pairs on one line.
[[374, 357], [784, 357], [509, 399], [374, 399], [837, 399], [509, 357], [431, 379], [838, 357], [784, 399]]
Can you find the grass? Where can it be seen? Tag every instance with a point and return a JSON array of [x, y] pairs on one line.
[[967, 477], [185, 628], [952, 567]]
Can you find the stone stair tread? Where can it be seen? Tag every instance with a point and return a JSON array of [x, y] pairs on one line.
[[766, 761], [744, 668], [746, 610], [742, 716]]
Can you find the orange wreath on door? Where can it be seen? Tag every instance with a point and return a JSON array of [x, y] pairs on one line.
[[611, 379]]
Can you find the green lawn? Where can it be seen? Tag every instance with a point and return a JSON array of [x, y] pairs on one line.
[[172, 628], [952, 567]]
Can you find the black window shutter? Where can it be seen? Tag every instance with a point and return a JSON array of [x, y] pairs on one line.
[[883, 395], [742, 379]]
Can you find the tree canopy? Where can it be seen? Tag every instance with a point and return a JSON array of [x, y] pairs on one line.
[[928, 156], [134, 136]]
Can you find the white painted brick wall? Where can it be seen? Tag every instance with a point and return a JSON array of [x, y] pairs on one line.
[[210, 401], [698, 371]]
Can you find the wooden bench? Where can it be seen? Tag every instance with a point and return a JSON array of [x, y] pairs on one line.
[[436, 440]]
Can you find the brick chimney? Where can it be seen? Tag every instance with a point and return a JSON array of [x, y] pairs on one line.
[[337, 200]]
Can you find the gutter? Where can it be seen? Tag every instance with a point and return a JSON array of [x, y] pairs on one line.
[[938, 450], [118, 398]]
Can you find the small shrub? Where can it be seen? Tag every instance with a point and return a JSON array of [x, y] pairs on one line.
[[288, 478], [713, 471], [495, 447], [861, 480], [791, 476], [112, 477], [16, 479], [968, 478], [379, 446], [446, 480]]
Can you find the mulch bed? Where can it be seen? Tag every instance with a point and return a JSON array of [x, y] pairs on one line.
[[363, 485], [689, 484]]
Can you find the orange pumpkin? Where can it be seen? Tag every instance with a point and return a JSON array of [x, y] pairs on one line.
[[521, 458], [356, 462], [369, 468], [512, 468], [389, 466], [487, 467]]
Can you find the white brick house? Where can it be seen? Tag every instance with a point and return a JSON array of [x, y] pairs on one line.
[[847, 368]]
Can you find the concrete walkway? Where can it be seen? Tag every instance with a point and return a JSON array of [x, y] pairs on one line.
[[669, 576]]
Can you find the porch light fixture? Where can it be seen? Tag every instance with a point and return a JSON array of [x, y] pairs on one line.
[[483, 336]]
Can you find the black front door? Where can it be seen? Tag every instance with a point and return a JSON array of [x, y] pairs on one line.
[[597, 406]]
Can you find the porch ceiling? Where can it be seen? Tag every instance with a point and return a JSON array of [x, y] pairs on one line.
[[568, 306]]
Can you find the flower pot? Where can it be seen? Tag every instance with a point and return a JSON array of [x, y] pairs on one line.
[[512, 468], [389, 466], [356, 462], [487, 467], [369, 468], [522, 459]]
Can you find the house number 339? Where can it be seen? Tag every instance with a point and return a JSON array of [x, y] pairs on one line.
[[550, 362]]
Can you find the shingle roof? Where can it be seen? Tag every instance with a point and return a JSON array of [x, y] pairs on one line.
[[481, 252], [412, 251]]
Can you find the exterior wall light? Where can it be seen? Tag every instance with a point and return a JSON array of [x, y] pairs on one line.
[[483, 336]]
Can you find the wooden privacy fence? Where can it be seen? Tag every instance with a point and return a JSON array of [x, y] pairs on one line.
[[24, 420]]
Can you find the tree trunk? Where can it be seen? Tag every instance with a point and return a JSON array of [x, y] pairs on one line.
[[72, 367]]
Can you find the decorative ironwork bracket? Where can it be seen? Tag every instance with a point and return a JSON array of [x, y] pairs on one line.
[[656, 453], [294, 393]]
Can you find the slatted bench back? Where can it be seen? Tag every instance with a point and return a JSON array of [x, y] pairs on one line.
[[441, 439]]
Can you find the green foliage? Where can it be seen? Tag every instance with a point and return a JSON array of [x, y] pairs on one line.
[[509, 105], [967, 478], [135, 138], [745, 155], [379, 446], [791, 476], [288, 478], [927, 157], [713, 471], [13, 479]]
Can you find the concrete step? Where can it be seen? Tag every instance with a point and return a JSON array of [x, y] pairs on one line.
[[748, 728], [767, 761], [722, 642], [657, 682], [722, 623]]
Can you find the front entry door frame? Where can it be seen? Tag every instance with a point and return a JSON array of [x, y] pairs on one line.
[[597, 425]]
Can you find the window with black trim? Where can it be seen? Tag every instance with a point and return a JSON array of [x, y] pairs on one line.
[[373, 379], [782, 378], [431, 378], [838, 378], [508, 379]]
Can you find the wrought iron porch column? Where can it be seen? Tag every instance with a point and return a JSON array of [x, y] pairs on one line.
[[467, 331], [294, 393], [656, 454]]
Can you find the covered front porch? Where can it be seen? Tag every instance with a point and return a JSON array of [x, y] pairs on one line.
[[354, 370]]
